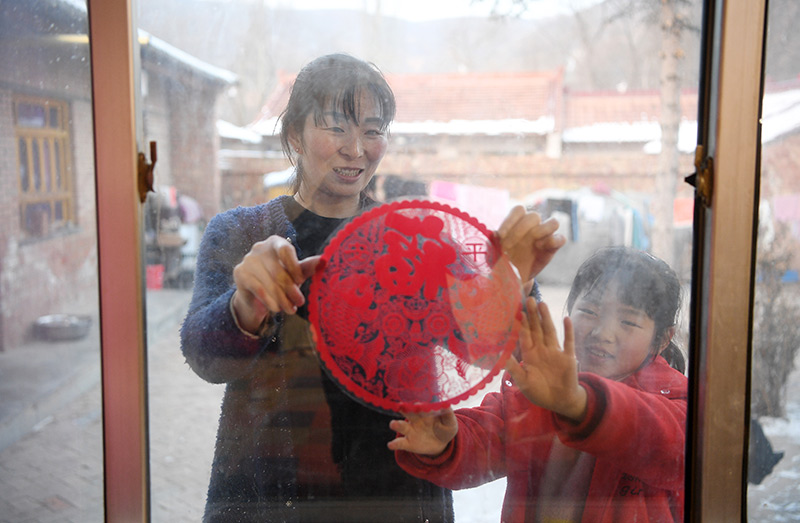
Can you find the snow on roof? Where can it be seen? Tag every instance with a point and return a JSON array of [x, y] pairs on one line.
[[613, 132], [217, 73], [532, 102], [276, 178], [146, 39], [455, 103], [542, 125], [80, 5], [780, 114], [648, 133], [266, 126], [234, 132]]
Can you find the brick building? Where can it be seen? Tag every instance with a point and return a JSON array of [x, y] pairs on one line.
[[512, 137], [48, 251], [520, 132]]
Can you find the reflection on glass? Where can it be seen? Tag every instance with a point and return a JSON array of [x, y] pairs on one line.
[[48, 177], [54, 121], [37, 175], [564, 113], [57, 151], [24, 181], [30, 115], [51, 452], [774, 408]]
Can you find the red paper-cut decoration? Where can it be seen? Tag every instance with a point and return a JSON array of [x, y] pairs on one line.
[[416, 308]]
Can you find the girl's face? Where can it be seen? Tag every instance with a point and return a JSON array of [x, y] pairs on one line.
[[339, 156], [612, 339]]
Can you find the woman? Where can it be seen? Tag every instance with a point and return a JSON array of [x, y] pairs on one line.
[[291, 445]]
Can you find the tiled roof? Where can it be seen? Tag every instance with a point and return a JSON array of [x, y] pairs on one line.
[[446, 97], [476, 96], [275, 102], [584, 108], [537, 103]]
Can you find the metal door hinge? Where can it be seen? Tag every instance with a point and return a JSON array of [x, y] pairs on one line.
[[146, 172], [703, 177]]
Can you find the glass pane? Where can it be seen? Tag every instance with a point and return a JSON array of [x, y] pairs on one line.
[[37, 162], [57, 147], [54, 121], [51, 450], [559, 108], [775, 407], [37, 218], [30, 115], [24, 181], [48, 173]]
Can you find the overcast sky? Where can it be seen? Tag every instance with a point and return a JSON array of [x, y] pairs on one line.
[[430, 9]]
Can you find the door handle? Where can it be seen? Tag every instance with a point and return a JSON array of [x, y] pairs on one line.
[[145, 172]]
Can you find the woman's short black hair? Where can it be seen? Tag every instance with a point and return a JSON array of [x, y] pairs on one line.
[[336, 80]]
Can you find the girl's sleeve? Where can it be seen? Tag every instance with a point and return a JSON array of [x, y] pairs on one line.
[[214, 346], [474, 457], [642, 433]]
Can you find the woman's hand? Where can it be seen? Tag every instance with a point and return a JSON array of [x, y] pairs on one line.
[[426, 434], [268, 281], [548, 376], [529, 242]]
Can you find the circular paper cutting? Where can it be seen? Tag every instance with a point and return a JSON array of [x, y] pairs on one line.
[[415, 307]]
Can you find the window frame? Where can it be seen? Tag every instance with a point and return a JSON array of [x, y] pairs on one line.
[[114, 48], [720, 315]]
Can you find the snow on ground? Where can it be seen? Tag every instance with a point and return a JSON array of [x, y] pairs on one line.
[[481, 504], [777, 498]]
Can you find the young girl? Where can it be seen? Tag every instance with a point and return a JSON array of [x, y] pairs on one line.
[[593, 432]]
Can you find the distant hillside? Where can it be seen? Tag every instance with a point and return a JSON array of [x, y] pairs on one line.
[[598, 48]]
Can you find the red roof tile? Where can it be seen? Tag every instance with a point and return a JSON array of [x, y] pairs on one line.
[[585, 108], [467, 96], [477, 96], [527, 95]]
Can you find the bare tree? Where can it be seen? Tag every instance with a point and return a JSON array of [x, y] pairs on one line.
[[671, 19], [776, 332]]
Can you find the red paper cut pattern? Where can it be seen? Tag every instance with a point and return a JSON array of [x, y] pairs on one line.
[[416, 308]]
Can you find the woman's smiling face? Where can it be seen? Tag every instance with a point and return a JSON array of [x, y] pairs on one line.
[[339, 156], [612, 339]]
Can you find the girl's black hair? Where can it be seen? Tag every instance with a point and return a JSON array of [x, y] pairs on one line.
[[332, 80], [644, 282]]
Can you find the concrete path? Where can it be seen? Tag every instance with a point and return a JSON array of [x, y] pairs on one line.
[[51, 448], [51, 433]]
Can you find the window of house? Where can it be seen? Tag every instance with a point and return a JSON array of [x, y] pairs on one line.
[[562, 115], [45, 186]]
